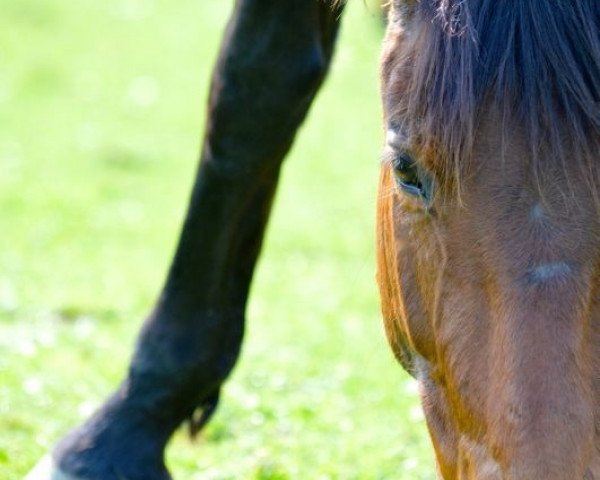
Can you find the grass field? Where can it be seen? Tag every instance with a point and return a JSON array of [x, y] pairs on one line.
[[101, 107]]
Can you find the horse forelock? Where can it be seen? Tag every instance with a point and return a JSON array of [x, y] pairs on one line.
[[537, 61]]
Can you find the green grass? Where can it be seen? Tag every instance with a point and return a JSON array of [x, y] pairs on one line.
[[101, 107]]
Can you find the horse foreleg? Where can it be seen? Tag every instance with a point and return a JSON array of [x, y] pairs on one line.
[[274, 57]]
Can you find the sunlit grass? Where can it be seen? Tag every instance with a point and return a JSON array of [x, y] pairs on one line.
[[101, 105]]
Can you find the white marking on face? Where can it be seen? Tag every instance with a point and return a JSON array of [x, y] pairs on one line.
[[537, 212], [549, 271], [395, 138]]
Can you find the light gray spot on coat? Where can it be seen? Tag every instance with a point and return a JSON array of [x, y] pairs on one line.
[[537, 212], [548, 271]]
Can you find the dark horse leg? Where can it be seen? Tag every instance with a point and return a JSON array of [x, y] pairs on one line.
[[274, 57]]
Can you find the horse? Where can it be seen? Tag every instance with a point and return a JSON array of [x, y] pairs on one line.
[[488, 230], [273, 60], [488, 234]]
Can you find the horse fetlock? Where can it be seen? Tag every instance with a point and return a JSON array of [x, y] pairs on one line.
[[126, 437], [117, 443]]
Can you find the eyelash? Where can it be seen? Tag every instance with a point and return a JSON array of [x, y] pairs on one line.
[[406, 170], [410, 177]]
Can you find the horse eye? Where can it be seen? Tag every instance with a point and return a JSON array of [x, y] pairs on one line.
[[411, 178]]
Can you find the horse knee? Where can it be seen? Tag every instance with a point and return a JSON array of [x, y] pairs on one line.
[[199, 350]]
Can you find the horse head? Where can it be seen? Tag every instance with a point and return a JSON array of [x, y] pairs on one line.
[[489, 233]]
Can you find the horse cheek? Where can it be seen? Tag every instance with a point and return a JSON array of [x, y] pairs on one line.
[[392, 308], [403, 305]]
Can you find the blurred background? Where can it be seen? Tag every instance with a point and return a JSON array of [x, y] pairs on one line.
[[101, 107]]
